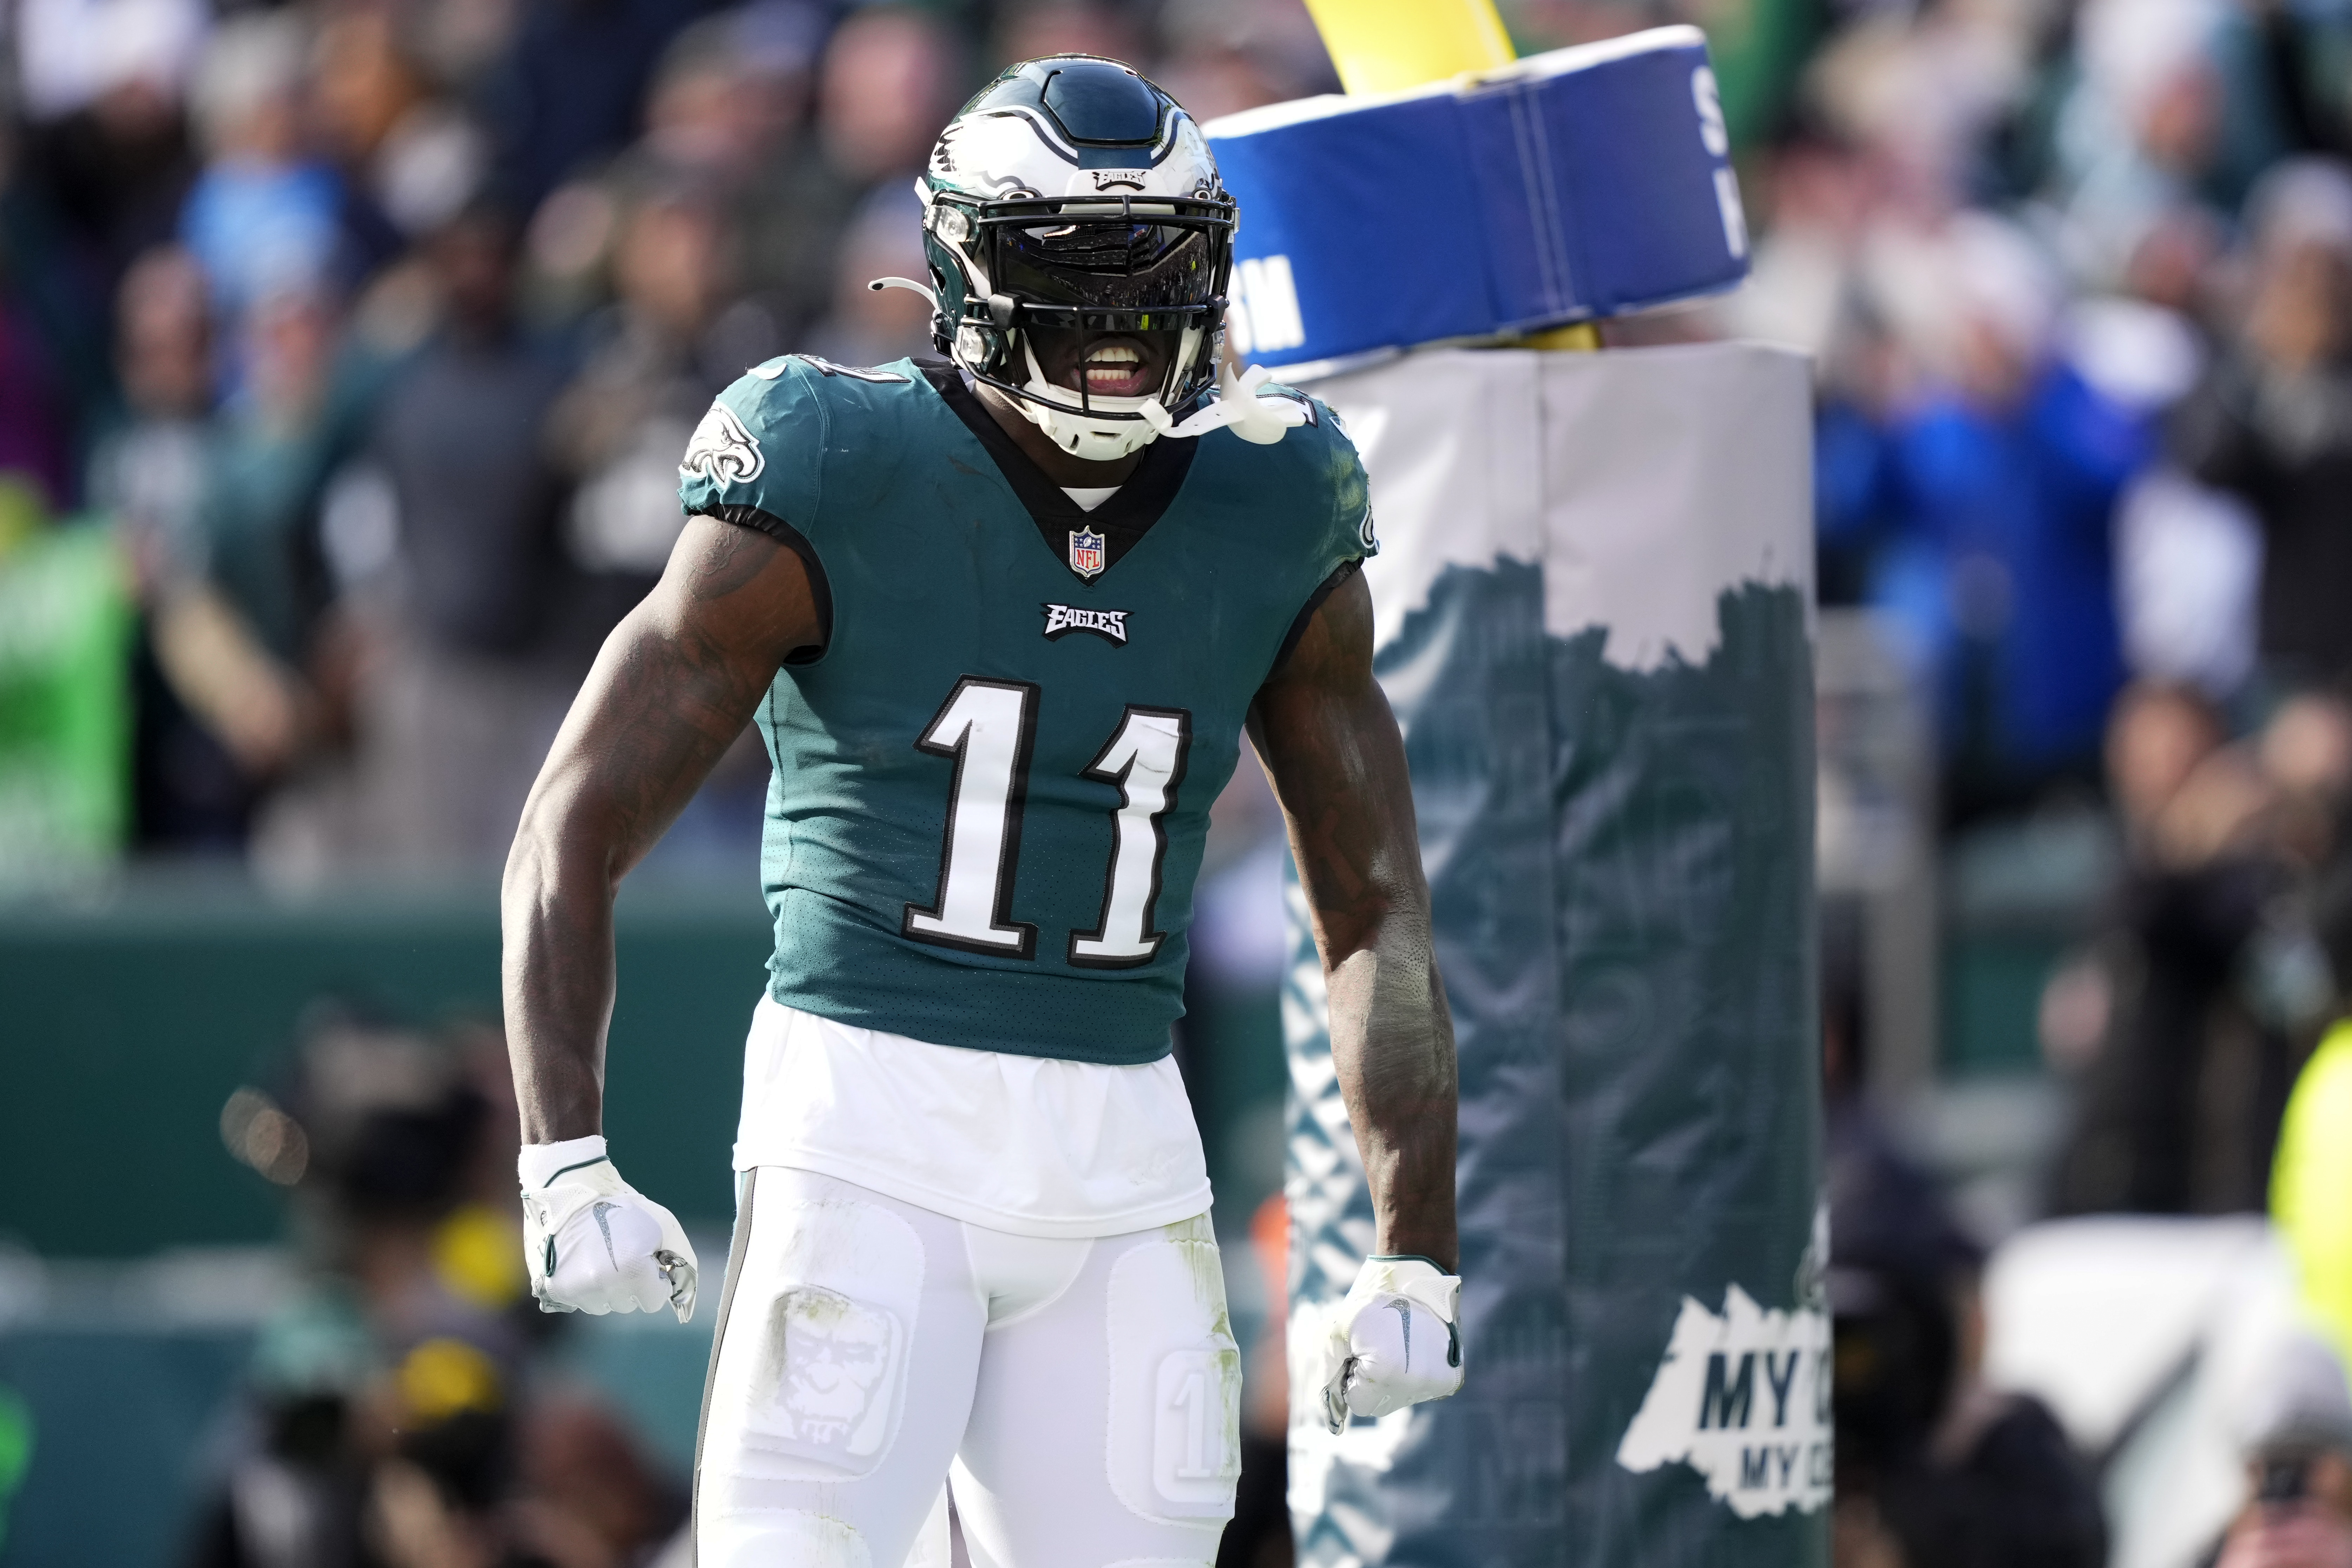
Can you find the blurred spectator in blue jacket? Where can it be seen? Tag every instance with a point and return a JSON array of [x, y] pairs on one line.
[[2001, 482], [266, 212]]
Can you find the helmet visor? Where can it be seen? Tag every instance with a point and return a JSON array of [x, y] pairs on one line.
[[1114, 260]]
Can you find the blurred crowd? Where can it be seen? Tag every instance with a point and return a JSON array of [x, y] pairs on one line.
[[2078, 281], [375, 332], [401, 1410]]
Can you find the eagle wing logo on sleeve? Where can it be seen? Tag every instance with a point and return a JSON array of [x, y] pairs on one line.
[[722, 450]]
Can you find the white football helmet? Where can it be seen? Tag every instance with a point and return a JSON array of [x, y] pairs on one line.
[[1073, 196]]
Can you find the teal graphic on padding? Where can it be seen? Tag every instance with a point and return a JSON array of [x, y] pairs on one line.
[[1621, 872]]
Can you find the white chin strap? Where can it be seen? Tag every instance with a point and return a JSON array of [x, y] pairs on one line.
[[1255, 417]]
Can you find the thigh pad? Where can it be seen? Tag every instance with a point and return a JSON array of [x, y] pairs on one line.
[[814, 1366]]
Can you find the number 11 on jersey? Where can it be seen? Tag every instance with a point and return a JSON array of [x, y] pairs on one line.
[[1146, 760], [989, 728]]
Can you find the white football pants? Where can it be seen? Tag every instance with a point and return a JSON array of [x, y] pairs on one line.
[[1081, 1398]]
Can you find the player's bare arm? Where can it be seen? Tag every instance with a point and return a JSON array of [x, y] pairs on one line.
[[675, 685], [1330, 745]]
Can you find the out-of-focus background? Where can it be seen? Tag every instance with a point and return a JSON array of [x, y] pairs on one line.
[[346, 352]]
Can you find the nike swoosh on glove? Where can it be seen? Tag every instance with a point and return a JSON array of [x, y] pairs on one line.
[[1257, 418], [596, 1245], [1391, 1342]]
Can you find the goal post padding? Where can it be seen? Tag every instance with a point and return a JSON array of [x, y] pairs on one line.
[[1594, 608]]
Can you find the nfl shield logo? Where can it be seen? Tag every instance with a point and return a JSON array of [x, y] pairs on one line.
[[1086, 552]]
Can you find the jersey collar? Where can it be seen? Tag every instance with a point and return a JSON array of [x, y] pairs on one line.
[[1122, 521]]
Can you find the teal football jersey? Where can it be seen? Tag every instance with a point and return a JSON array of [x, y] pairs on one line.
[[992, 784]]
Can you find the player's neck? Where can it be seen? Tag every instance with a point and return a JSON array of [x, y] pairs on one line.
[[1078, 473]]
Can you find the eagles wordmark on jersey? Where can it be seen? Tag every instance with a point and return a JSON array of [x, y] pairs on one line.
[[979, 834], [1061, 620]]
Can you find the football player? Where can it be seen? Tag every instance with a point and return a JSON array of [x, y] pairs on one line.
[[1001, 617]]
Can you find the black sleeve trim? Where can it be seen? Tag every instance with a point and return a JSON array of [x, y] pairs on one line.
[[793, 540], [1344, 570]]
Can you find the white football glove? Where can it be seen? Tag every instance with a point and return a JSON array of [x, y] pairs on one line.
[[1390, 1342], [593, 1243]]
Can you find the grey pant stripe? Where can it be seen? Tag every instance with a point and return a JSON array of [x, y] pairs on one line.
[[735, 1251]]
